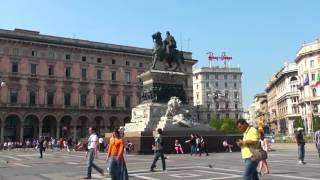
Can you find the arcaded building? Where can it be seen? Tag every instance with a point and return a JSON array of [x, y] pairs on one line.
[[59, 86]]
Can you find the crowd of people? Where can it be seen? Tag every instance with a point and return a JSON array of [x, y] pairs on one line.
[[253, 140]]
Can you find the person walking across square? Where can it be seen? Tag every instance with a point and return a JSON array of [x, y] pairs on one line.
[[159, 151], [250, 140], [92, 153]]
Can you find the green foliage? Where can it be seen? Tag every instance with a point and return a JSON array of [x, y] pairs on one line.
[[298, 123], [316, 123], [225, 125]]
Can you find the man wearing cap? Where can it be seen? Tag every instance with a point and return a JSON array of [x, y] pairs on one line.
[[301, 142]]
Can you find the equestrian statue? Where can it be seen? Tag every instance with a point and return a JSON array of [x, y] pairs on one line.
[[166, 50]]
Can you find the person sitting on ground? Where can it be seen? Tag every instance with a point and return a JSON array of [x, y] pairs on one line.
[[129, 147], [227, 146], [178, 147]]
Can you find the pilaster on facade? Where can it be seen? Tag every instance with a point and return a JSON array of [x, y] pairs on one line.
[[62, 77]]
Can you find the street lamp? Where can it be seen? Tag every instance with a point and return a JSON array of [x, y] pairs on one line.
[[198, 107]]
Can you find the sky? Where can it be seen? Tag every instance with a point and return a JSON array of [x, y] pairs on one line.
[[259, 35]]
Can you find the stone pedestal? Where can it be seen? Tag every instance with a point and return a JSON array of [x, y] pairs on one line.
[[158, 88]]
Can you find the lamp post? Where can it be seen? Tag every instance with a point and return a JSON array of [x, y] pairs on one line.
[[198, 107], [2, 85]]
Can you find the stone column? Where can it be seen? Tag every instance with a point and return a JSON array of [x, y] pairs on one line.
[[2, 133], [74, 133], [21, 133], [290, 127], [57, 131], [40, 129], [309, 123]]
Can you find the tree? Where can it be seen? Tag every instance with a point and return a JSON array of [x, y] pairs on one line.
[[225, 125], [316, 123], [298, 123]]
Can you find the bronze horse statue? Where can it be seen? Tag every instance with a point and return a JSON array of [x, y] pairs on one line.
[[160, 53]]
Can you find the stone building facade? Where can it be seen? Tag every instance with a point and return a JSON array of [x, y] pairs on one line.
[[59, 86], [283, 100], [217, 91], [308, 65]]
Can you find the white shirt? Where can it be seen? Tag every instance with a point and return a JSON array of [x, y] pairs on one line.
[[92, 141], [100, 140]]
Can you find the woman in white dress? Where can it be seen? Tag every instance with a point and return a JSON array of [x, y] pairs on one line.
[[263, 163]]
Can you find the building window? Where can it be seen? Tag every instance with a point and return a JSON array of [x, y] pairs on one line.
[[83, 100], [141, 65], [51, 55], [68, 72], [236, 95], [113, 61], [13, 97], [127, 101], [50, 97], [217, 84], [15, 67], [311, 63], [113, 75], [225, 76], [217, 105], [218, 116], [15, 51], [237, 116], [113, 101], [99, 60], [227, 115], [217, 76], [128, 76], [67, 99], [127, 63], [313, 77], [99, 100], [32, 98], [235, 85], [236, 106], [33, 53], [207, 76], [314, 92], [99, 74], [225, 84], [33, 69], [207, 85], [226, 94], [68, 56], [234, 76], [51, 70], [84, 58], [84, 74], [227, 105]]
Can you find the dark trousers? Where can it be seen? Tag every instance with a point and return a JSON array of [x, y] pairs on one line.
[[193, 149], [159, 153], [91, 164], [41, 149], [301, 152], [250, 172], [318, 147], [203, 149]]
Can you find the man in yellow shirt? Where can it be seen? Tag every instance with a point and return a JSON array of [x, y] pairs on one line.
[[250, 139]]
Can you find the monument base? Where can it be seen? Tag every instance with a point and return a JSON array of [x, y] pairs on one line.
[[143, 141]]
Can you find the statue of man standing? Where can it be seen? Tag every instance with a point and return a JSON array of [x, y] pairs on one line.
[[170, 44]]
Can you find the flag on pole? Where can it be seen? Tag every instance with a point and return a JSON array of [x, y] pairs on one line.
[[306, 81]]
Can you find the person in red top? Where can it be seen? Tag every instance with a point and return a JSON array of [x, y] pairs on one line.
[[117, 166]]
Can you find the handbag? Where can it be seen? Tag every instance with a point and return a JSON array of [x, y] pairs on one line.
[[258, 154]]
